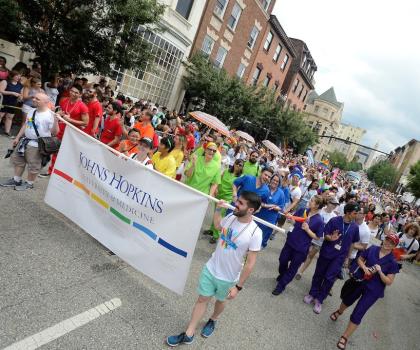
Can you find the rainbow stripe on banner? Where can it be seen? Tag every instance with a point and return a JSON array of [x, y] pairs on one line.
[[119, 215]]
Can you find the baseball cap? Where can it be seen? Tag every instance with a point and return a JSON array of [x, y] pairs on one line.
[[333, 200], [393, 237], [147, 142]]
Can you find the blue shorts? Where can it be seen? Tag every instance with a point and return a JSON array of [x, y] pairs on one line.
[[209, 286]]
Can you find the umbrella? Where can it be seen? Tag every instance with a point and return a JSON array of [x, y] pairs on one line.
[[211, 122], [245, 136], [272, 147]]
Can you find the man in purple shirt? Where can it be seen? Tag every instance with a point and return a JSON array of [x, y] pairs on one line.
[[298, 242], [339, 235]]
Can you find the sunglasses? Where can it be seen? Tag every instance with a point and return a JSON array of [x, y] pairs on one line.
[[212, 150]]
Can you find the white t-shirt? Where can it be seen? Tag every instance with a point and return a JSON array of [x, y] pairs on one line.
[[44, 122], [405, 242], [295, 192], [146, 162], [326, 217], [364, 234], [51, 92], [236, 239]]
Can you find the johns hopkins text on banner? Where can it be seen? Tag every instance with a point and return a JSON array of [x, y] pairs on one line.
[[148, 220]]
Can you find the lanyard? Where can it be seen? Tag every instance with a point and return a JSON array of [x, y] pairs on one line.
[[242, 231], [344, 233]]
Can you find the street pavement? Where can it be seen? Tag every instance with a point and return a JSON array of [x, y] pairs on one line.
[[51, 271]]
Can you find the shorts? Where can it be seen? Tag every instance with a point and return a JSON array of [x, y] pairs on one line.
[[316, 246], [209, 286], [31, 157]]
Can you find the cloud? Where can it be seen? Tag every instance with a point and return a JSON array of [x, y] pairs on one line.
[[367, 50]]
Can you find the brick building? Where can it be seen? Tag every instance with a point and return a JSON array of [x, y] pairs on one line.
[[273, 59], [231, 33], [299, 80]]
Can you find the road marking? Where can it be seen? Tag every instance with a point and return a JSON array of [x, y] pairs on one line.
[[47, 335]]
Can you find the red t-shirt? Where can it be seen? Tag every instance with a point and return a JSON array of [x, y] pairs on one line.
[[74, 109], [95, 111], [190, 142], [112, 128]]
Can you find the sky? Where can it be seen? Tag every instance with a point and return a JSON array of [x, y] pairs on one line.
[[369, 51]]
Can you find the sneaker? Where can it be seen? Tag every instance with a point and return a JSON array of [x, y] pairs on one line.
[[213, 240], [308, 299], [298, 277], [175, 340], [208, 328], [44, 175], [208, 232], [276, 292], [10, 183], [272, 237], [317, 307], [24, 186]]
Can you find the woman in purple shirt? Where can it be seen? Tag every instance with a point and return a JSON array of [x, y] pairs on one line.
[[298, 242], [339, 235], [371, 273]]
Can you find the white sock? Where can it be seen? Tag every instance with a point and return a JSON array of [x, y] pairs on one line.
[[17, 178]]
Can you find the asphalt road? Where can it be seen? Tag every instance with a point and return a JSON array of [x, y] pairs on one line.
[[52, 271]]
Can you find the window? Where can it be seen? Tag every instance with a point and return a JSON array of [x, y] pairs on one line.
[[316, 109], [296, 85], [276, 87], [277, 53], [301, 90], [256, 76], [207, 46], [268, 41], [304, 97], [332, 114], [220, 57], [304, 62], [183, 7], [234, 17], [241, 70], [267, 80], [284, 63], [265, 4], [253, 37], [220, 7]]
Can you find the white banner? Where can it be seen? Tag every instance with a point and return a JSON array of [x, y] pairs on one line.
[[147, 219]]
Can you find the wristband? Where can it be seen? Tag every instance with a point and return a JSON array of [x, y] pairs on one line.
[[238, 288]]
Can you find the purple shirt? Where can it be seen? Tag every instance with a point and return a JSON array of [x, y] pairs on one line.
[[339, 248], [298, 239], [388, 266]]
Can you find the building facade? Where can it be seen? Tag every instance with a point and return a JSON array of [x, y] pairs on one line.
[[403, 158], [161, 80], [299, 80], [273, 59], [231, 33], [323, 113]]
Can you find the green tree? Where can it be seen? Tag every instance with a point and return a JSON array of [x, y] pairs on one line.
[[338, 160], [85, 36], [248, 108], [382, 173], [414, 179]]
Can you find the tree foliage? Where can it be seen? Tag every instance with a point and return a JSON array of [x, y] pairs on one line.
[[85, 36], [383, 174], [243, 107], [339, 160], [414, 179]]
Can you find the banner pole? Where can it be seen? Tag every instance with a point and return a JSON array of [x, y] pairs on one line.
[[119, 154]]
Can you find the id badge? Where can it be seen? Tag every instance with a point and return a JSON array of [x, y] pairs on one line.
[[337, 246]]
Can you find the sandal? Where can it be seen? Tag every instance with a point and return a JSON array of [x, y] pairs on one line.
[[342, 343], [334, 316]]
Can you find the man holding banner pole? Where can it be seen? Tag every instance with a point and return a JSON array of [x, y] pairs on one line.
[[223, 276]]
